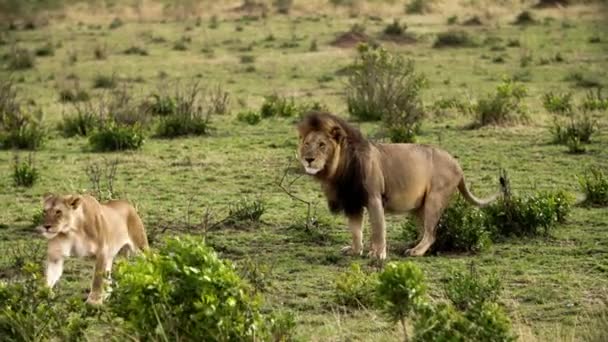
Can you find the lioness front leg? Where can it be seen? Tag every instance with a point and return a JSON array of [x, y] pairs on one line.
[[54, 269], [378, 228], [355, 225], [95, 296]]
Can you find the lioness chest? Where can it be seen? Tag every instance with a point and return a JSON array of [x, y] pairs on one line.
[[75, 245]]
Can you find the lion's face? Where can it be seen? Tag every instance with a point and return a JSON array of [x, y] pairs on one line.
[[316, 151], [59, 214]]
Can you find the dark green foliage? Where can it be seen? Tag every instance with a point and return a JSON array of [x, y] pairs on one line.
[[104, 81], [45, 50], [18, 129], [594, 184], [454, 38], [355, 288], [162, 104], [534, 215], [249, 116], [75, 94], [245, 214], [594, 101], [467, 290], [80, 123], [182, 124], [418, 6], [28, 135], [558, 103], [524, 18], [112, 136], [180, 45], [21, 59], [184, 112], [403, 134], [257, 274], [136, 50], [462, 228], [575, 128], [25, 173], [116, 23], [502, 107], [585, 79], [385, 86], [247, 59], [275, 105], [395, 28], [283, 6], [185, 292]]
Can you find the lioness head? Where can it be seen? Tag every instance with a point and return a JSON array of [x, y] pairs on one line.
[[319, 145], [59, 214]]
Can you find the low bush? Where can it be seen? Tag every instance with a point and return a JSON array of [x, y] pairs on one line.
[[524, 18], [594, 101], [21, 59], [25, 173], [577, 127], [502, 107], [257, 274], [74, 94], [275, 105], [418, 6], [136, 50], [584, 78], [454, 38], [245, 214], [184, 113], [558, 103], [45, 50], [395, 28], [185, 292], [250, 117], [104, 81], [81, 123], [112, 136], [594, 184], [19, 129], [462, 228], [182, 124], [355, 288], [467, 290]]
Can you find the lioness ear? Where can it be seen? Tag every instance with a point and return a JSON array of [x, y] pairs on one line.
[[47, 197], [337, 133], [73, 201]]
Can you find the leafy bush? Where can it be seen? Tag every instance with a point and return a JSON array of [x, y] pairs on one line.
[[595, 101], [45, 50], [502, 107], [577, 127], [275, 105], [136, 50], [115, 23], [185, 112], [355, 288], [250, 117], [454, 38], [75, 94], [403, 134], [25, 173], [247, 59], [185, 292], [182, 124], [533, 215], [112, 136], [524, 18], [21, 59], [283, 6], [395, 28], [258, 275], [104, 81], [467, 290], [245, 213], [558, 103], [383, 85], [461, 228], [594, 184], [418, 6], [585, 78], [400, 291], [18, 129], [80, 123]]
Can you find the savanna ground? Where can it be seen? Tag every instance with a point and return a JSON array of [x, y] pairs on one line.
[[555, 288]]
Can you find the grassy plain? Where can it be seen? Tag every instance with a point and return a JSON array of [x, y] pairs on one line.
[[555, 288]]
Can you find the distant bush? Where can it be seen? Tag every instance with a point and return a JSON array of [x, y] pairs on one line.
[[594, 184], [100, 52], [418, 6], [575, 129], [73, 94], [462, 228], [355, 288], [180, 45], [524, 18], [534, 215], [257, 274], [184, 291], [82, 122], [283, 6], [247, 59], [584, 79], [25, 173], [558, 103], [183, 113], [182, 124], [467, 290], [19, 128], [112, 136], [45, 50], [115, 23], [104, 81], [275, 105], [594, 101], [21, 59], [395, 28], [503, 107], [136, 50], [249, 117], [454, 38], [384, 86], [245, 214]]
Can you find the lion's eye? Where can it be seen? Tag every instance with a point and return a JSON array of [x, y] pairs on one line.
[[321, 144], [58, 212]]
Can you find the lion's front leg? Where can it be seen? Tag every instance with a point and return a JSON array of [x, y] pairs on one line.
[[355, 225], [378, 228], [96, 294]]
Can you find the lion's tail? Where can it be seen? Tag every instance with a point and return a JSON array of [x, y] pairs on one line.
[[464, 190], [137, 232]]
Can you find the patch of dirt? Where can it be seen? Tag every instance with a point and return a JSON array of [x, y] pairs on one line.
[[473, 21], [350, 39], [399, 39]]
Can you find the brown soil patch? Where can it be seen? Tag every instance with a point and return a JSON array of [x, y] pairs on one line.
[[399, 39], [350, 39]]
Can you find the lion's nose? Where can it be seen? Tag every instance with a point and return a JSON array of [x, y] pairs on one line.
[[47, 226], [309, 160]]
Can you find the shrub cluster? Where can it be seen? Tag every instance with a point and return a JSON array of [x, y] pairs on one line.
[[278, 106], [25, 173], [502, 107], [355, 288], [594, 184], [20, 127]]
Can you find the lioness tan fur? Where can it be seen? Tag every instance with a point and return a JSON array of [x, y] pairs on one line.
[[396, 178], [81, 226]]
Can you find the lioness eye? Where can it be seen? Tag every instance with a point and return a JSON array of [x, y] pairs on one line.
[[321, 144], [58, 212]]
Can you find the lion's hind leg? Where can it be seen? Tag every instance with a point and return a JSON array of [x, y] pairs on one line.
[[428, 217]]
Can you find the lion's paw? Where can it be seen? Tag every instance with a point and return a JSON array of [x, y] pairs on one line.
[[94, 299], [377, 253], [349, 250]]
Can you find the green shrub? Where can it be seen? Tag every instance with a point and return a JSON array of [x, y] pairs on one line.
[[467, 290], [115, 23], [180, 45], [503, 107], [18, 129], [258, 275], [182, 124], [395, 28], [355, 288], [383, 85], [275, 105], [185, 292], [45, 50], [25, 173], [75, 94], [577, 127], [283, 6], [162, 104], [533, 215], [594, 184], [462, 228], [185, 112], [595, 101], [454, 38], [247, 59], [104, 81], [558, 103], [21, 59], [136, 50], [250, 117], [112, 136], [245, 214], [403, 134], [400, 291], [418, 6], [524, 18], [585, 78], [81, 123]]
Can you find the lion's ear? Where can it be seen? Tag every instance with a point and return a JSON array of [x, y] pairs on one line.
[[337, 133], [73, 201], [47, 197]]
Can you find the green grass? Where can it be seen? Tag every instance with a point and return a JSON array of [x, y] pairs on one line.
[[554, 287]]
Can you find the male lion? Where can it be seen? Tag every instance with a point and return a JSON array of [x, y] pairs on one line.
[[83, 227], [355, 173]]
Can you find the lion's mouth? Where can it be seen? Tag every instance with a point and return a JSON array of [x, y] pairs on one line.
[[311, 171]]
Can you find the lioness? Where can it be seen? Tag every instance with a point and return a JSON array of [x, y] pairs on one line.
[[355, 173], [81, 226]]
